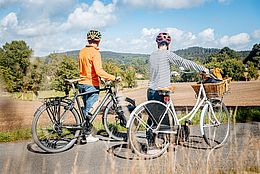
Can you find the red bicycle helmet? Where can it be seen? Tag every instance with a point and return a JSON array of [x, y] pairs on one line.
[[163, 37]]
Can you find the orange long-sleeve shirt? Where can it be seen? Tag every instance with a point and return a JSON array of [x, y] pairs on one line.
[[90, 66]]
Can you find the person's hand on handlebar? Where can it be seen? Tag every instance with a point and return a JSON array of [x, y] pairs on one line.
[[209, 77], [206, 71], [118, 79]]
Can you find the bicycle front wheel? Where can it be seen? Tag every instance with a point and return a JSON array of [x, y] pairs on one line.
[[54, 126], [151, 129], [215, 123], [114, 120]]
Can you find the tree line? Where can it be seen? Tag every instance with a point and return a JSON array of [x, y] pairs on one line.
[[21, 72]]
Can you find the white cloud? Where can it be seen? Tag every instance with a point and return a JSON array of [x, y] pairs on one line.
[[7, 25], [43, 28], [96, 16], [256, 34], [45, 32], [144, 42], [9, 21], [61, 25], [150, 32], [165, 4], [175, 33], [238, 41], [207, 35], [180, 37]]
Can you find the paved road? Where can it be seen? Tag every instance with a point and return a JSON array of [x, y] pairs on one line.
[[241, 153]]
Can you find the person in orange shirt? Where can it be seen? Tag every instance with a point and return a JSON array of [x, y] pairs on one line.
[[90, 65]]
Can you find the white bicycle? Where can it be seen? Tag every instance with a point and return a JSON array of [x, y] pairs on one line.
[[154, 125]]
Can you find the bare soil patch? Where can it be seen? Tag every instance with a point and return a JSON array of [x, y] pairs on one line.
[[241, 94], [16, 114]]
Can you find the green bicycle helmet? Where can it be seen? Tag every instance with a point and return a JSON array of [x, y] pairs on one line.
[[94, 35]]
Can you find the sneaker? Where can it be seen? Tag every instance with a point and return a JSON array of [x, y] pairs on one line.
[[90, 138]]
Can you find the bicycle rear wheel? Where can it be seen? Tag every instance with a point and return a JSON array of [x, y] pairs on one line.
[[54, 126], [214, 123], [115, 117], [147, 136]]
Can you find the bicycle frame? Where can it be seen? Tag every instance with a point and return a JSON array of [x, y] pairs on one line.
[[109, 93], [199, 102], [201, 99]]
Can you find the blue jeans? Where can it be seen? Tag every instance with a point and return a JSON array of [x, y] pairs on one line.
[[88, 99], [154, 95]]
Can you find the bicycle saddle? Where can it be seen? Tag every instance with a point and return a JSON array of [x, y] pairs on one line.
[[167, 90], [72, 80]]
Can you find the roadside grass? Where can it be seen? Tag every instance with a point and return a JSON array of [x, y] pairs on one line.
[[31, 96], [248, 114], [16, 135], [26, 133]]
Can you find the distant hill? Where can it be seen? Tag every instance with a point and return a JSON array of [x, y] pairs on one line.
[[122, 58], [200, 53], [190, 53]]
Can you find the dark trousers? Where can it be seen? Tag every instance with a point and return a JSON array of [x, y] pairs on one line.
[[156, 112]]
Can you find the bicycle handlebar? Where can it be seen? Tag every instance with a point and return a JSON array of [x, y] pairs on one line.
[[107, 83]]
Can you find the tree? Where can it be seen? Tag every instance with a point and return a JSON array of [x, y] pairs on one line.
[[254, 56], [14, 61], [112, 67], [34, 77], [67, 69], [231, 53], [226, 60], [233, 68], [129, 77], [252, 71], [140, 65], [126, 72]]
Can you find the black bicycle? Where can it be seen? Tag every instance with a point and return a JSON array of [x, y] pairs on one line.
[[57, 124]]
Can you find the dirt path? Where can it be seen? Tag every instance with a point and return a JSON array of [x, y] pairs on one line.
[[242, 94], [18, 114]]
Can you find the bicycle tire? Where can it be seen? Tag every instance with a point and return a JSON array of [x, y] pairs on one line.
[[140, 131], [50, 135], [113, 124], [215, 130]]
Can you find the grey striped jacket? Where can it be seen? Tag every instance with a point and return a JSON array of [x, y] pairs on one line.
[[159, 64]]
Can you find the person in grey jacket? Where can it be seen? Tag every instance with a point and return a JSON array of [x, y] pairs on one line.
[[159, 66], [160, 73]]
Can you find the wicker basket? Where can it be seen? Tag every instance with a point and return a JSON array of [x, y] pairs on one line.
[[212, 89]]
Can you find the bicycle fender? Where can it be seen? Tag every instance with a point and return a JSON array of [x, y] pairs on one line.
[[206, 106]]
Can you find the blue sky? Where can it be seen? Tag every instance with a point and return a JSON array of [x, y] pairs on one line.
[[130, 25]]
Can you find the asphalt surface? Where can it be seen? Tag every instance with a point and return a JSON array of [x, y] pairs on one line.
[[240, 154]]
